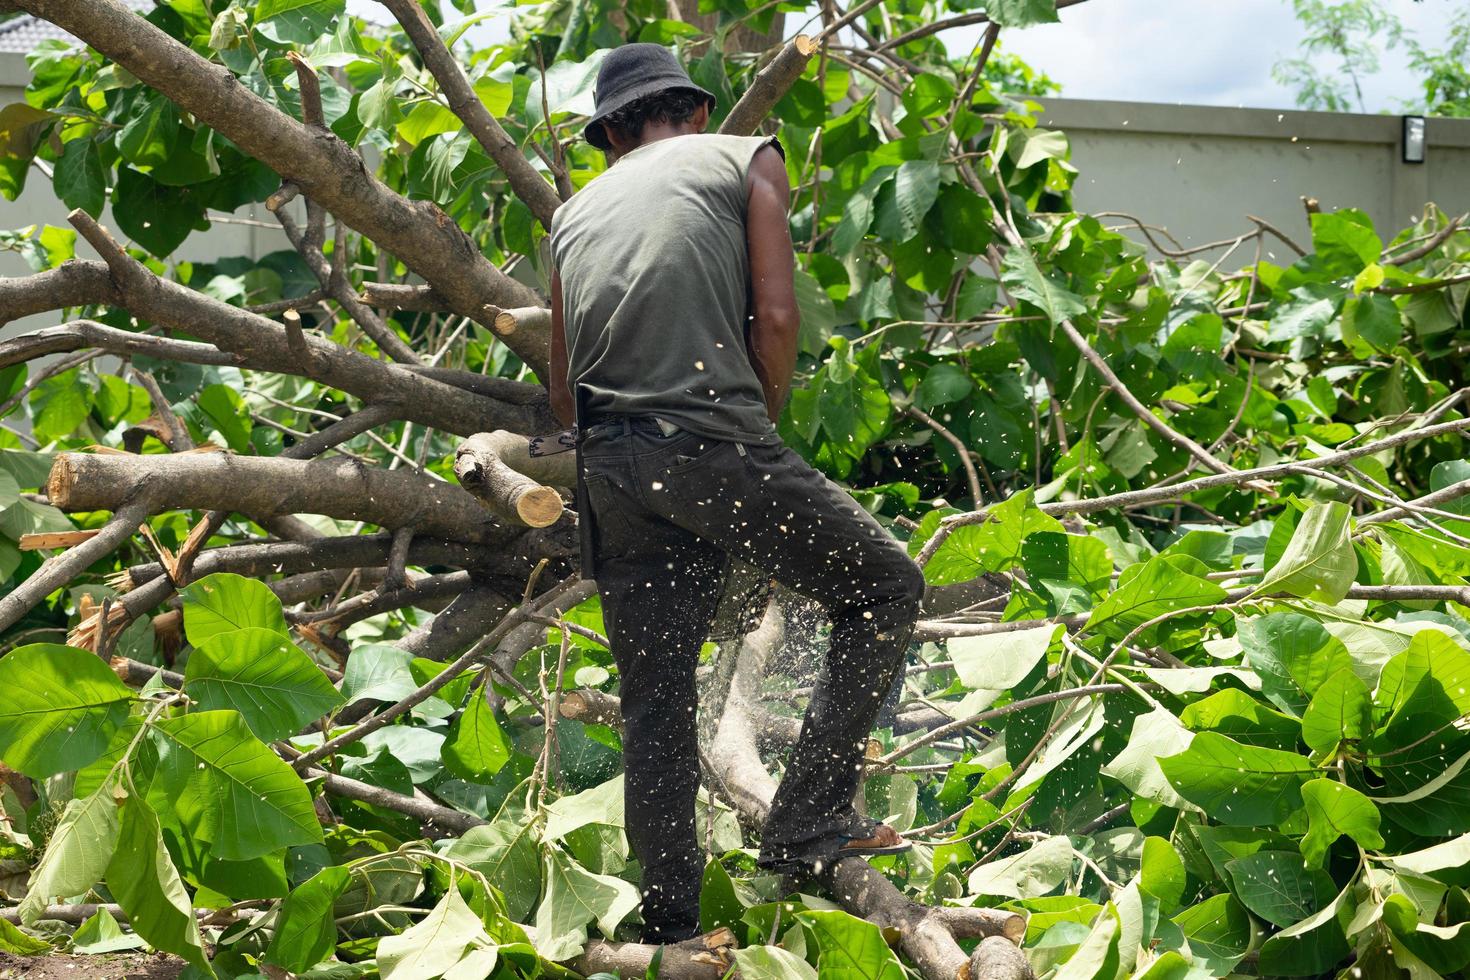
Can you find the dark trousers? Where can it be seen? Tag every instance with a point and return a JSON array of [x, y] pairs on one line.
[[666, 511]]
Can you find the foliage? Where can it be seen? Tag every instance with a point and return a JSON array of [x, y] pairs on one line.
[[1231, 739]]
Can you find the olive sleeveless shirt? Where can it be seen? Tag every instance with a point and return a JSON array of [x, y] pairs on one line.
[[655, 287]]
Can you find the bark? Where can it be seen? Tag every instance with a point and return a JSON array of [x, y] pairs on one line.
[[323, 166], [703, 958], [770, 84], [335, 487], [265, 345], [523, 178], [498, 468], [80, 334], [470, 616], [69, 284]]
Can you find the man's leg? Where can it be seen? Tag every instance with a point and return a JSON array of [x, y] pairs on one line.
[[659, 587], [767, 506]]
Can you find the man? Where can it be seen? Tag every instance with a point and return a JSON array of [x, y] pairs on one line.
[[674, 321]]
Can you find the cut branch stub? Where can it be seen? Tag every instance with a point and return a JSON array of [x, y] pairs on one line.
[[498, 468], [770, 84], [533, 319]]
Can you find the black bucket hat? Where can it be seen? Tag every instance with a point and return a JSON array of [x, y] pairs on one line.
[[629, 73]]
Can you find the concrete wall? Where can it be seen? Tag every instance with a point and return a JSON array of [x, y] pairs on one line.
[[1199, 170]]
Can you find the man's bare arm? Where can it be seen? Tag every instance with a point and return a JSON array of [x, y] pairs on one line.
[[561, 396], [775, 318]]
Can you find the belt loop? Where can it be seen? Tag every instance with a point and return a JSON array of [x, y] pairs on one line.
[[627, 426]]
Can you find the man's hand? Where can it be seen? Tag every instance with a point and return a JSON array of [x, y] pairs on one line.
[[561, 396], [771, 341]]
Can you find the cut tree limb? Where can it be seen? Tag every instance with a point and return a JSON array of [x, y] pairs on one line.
[[769, 85], [262, 485], [78, 334], [327, 169], [498, 468], [524, 180], [69, 284]]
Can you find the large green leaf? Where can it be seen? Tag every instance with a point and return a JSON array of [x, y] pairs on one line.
[[149, 133], [1341, 710], [59, 707], [505, 852], [305, 932], [438, 943], [1022, 13], [143, 879], [1320, 562], [77, 855], [1238, 784], [914, 190], [155, 216], [994, 546], [476, 747], [1034, 871], [223, 602], [264, 676], [772, 963], [78, 178], [574, 897], [1026, 281], [999, 661], [1219, 933], [1158, 587], [1275, 886], [1156, 733], [228, 789], [1334, 809], [851, 948]]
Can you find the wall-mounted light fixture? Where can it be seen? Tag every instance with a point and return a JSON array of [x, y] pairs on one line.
[[1414, 139]]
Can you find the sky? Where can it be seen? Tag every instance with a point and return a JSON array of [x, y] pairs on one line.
[[1200, 52]]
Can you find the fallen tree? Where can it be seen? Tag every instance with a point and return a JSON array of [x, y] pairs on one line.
[[320, 520]]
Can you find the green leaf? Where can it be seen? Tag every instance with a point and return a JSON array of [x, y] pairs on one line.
[[1155, 734], [1238, 785], [915, 188], [1158, 587], [1219, 933], [264, 676], [999, 661], [574, 897], [155, 216], [818, 314], [1334, 809], [12, 940], [1342, 709], [378, 672], [224, 602], [1345, 241], [437, 943], [505, 852], [994, 546], [227, 411], [59, 707], [1162, 873], [602, 805], [1025, 280], [772, 963], [426, 119], [228, 789], [78, 178], [142, 877], [1275, 886], [476, 748], [1029, 147], [102, 934], [149, 133], [1030, 873], [942, 383], [1319, 562], [1374, 317], [78, 853], [266, 9], [851, 948], [1022, 13]]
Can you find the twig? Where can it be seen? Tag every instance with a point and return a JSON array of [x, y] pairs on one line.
[[970, 475]]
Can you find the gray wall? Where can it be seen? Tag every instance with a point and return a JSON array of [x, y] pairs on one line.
[[1199, 170]]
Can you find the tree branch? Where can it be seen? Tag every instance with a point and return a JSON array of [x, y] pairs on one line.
[[327, 169], [527, 184], [769, 85]]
